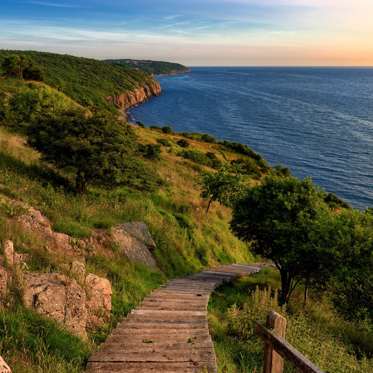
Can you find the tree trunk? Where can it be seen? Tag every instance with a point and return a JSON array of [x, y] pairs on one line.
[[305, 293], [285, 287], [80, 183], [208, 206]]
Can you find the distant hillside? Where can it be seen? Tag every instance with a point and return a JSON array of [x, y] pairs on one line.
[[152, 67], [89, 82]]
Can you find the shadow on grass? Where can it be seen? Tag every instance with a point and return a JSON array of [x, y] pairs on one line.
[[45, 174]]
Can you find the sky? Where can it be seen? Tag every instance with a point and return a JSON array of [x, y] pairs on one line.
[[196, 32]]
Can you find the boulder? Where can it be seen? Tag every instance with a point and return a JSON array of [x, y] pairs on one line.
[[34, 221], [58, 297], [98, 304], [4, 367], [136, 242]]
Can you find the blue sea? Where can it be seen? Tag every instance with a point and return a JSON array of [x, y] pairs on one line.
[[316, 121]]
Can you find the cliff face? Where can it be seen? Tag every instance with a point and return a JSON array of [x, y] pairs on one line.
[[141, 94]]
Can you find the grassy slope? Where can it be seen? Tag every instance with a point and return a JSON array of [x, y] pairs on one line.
[[187, 239], [85, 80], [151, 67], [318, 332]]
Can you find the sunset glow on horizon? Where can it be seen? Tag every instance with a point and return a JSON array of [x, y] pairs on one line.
[[205, 32]]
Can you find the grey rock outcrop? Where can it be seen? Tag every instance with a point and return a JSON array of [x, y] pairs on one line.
[[136, 242]]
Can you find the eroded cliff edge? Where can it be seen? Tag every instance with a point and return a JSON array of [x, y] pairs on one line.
[[126, 100]]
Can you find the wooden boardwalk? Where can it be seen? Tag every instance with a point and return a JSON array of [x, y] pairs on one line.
[[168, 332]]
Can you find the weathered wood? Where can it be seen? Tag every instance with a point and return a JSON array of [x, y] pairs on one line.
[[169, 331], [287, 351], [273, 362]]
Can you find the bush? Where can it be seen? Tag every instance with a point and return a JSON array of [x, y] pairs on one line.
[[240, 149], [246, 167], [183, 143], [164, 142], [208, 138], [196, 156], [96, 149], [151, 151], [167, 129]]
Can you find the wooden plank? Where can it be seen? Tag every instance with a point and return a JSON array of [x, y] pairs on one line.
[[168, 332], [287, 351]]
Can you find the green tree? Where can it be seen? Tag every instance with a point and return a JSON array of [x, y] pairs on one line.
[[21, 67], [353, 282], [287, 221], [221, 186], [95, 149]]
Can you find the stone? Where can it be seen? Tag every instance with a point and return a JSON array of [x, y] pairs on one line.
[[99, 293], [9, 252], [34, 221], [4, 367], [58, 297], [136, 242], [76, 311]]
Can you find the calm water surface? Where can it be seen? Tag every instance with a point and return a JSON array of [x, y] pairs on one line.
[[316, 121]]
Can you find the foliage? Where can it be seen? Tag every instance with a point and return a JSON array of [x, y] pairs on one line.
[[317, 331], [151, 151], [164, 142], [96, 149], [335, 202], [222, 187], [208, 159], [183, 143], [353, 283], [281, 171], [167, 129], [289, 223], [89, 82], [240, 149], [21, 67], [24, 103], [151, 67]]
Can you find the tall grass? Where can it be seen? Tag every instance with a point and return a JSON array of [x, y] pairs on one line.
[[317, 331]]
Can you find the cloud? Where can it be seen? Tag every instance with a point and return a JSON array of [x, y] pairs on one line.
[[53, 5]]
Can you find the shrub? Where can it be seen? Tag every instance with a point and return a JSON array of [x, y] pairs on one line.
[[246, 166], [167, 129], [208, 138], [95, 149], [281, 171], [151, 151], [164, 142], [183, 143], [196, 156], [140, 124], [240, 149]]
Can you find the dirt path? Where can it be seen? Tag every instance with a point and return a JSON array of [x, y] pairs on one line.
[[169, 331]]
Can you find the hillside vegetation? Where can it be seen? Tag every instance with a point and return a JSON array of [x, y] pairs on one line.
[[151, 67], [162, 188], [87, 81], [65, 154]]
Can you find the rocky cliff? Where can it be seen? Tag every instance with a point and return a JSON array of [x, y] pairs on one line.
[[137, 96]]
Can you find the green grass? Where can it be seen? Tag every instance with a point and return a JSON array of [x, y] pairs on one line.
[[43, 345], [317, 331]]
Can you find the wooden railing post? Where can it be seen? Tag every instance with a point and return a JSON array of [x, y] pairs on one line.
[[273, 362]]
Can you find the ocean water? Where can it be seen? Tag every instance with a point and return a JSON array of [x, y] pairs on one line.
[[316, 121]]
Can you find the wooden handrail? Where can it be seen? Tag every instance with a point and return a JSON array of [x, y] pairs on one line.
[[276, 344]]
